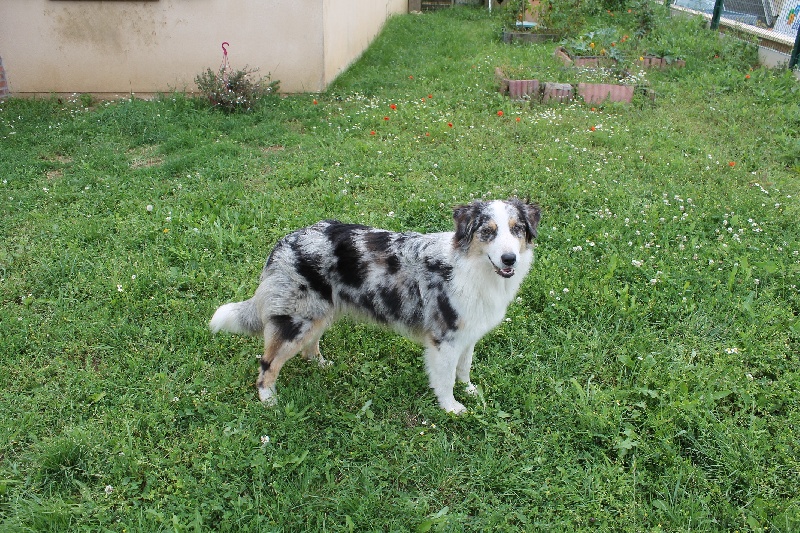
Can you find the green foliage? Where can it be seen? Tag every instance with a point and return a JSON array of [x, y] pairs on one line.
[[234, 90], [645, 380], [560, 16], [603, 42]]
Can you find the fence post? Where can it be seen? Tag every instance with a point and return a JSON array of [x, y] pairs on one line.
[[717, 14], [795, 52]]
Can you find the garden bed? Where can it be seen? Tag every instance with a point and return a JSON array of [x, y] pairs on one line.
[[645, 61], [530, 36], [546, 92]]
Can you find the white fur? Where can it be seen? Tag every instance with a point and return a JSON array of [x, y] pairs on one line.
[[226, 318]]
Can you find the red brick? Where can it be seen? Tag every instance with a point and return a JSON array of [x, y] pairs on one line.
[[557, 92], [596, 93]]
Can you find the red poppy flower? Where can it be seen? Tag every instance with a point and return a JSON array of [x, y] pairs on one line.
[[747, 76], [499, 113], [372, 132], [393, 106], [592, 128], [385, 118], [732, 164], [518, 119], [430, 96], [449, 124], [315, 102]]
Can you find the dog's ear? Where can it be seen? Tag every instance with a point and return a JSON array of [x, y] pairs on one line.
[[530, 213], [465, 218], [534, 213]]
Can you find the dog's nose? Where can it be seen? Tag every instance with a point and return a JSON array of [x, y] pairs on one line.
[[508, 259]]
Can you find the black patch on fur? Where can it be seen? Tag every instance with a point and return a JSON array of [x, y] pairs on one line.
[[265, 365], [378, 241], [449, 315], [439, 268], [309, 268], [288, 328], [367, 301], [393, 301], [349, 265], [392, 264]]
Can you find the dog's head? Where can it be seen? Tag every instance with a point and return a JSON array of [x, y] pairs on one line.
[[502, 230]]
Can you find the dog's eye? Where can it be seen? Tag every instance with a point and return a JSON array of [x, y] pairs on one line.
[[487, 233], [518, 229]]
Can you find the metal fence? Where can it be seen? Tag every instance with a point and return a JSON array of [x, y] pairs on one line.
[[775, 22]]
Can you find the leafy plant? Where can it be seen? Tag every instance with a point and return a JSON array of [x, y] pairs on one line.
[[604, 42], [234, 90]]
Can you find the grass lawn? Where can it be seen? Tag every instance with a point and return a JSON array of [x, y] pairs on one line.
[[646, 379]]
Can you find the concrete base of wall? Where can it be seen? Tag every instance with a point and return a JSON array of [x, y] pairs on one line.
[[774, 59], [3, 81]]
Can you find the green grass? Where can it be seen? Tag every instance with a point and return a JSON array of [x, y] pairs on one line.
[[645, 380]]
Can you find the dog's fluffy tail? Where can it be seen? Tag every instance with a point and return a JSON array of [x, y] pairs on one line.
[[237, 317]]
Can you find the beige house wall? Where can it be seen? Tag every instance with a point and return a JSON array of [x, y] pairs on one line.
[[126, 46]]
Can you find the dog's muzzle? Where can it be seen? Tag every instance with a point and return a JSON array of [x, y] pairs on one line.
[[507, 270]]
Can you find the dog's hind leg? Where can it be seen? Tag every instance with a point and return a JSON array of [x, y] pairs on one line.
[[311, 352], [463, 368], [441, 362], [284, 336]]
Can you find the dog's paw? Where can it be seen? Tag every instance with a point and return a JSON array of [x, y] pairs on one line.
[[471, 389], [454, 407], [268, 396], [324, 363]]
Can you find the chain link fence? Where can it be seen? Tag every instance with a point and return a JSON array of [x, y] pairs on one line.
[[774, 22]]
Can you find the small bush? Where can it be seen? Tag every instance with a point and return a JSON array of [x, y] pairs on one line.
[[234, 90]]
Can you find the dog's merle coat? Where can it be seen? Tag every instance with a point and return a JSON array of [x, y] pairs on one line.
[[444, 290]]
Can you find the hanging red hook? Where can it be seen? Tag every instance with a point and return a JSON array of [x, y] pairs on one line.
[[225, 50]]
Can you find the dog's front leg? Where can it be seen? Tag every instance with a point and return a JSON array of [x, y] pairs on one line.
[[463, 368], [441, 361]]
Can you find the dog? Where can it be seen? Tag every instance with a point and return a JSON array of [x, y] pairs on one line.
[[443, 290]]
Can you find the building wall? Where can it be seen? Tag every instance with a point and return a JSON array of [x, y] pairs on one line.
[[141, 46]]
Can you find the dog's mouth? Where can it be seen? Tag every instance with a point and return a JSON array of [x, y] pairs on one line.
[[505, 272]]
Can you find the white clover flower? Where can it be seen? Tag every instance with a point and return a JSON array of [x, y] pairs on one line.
[[264, 439], [108, 490], [637, 263]]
